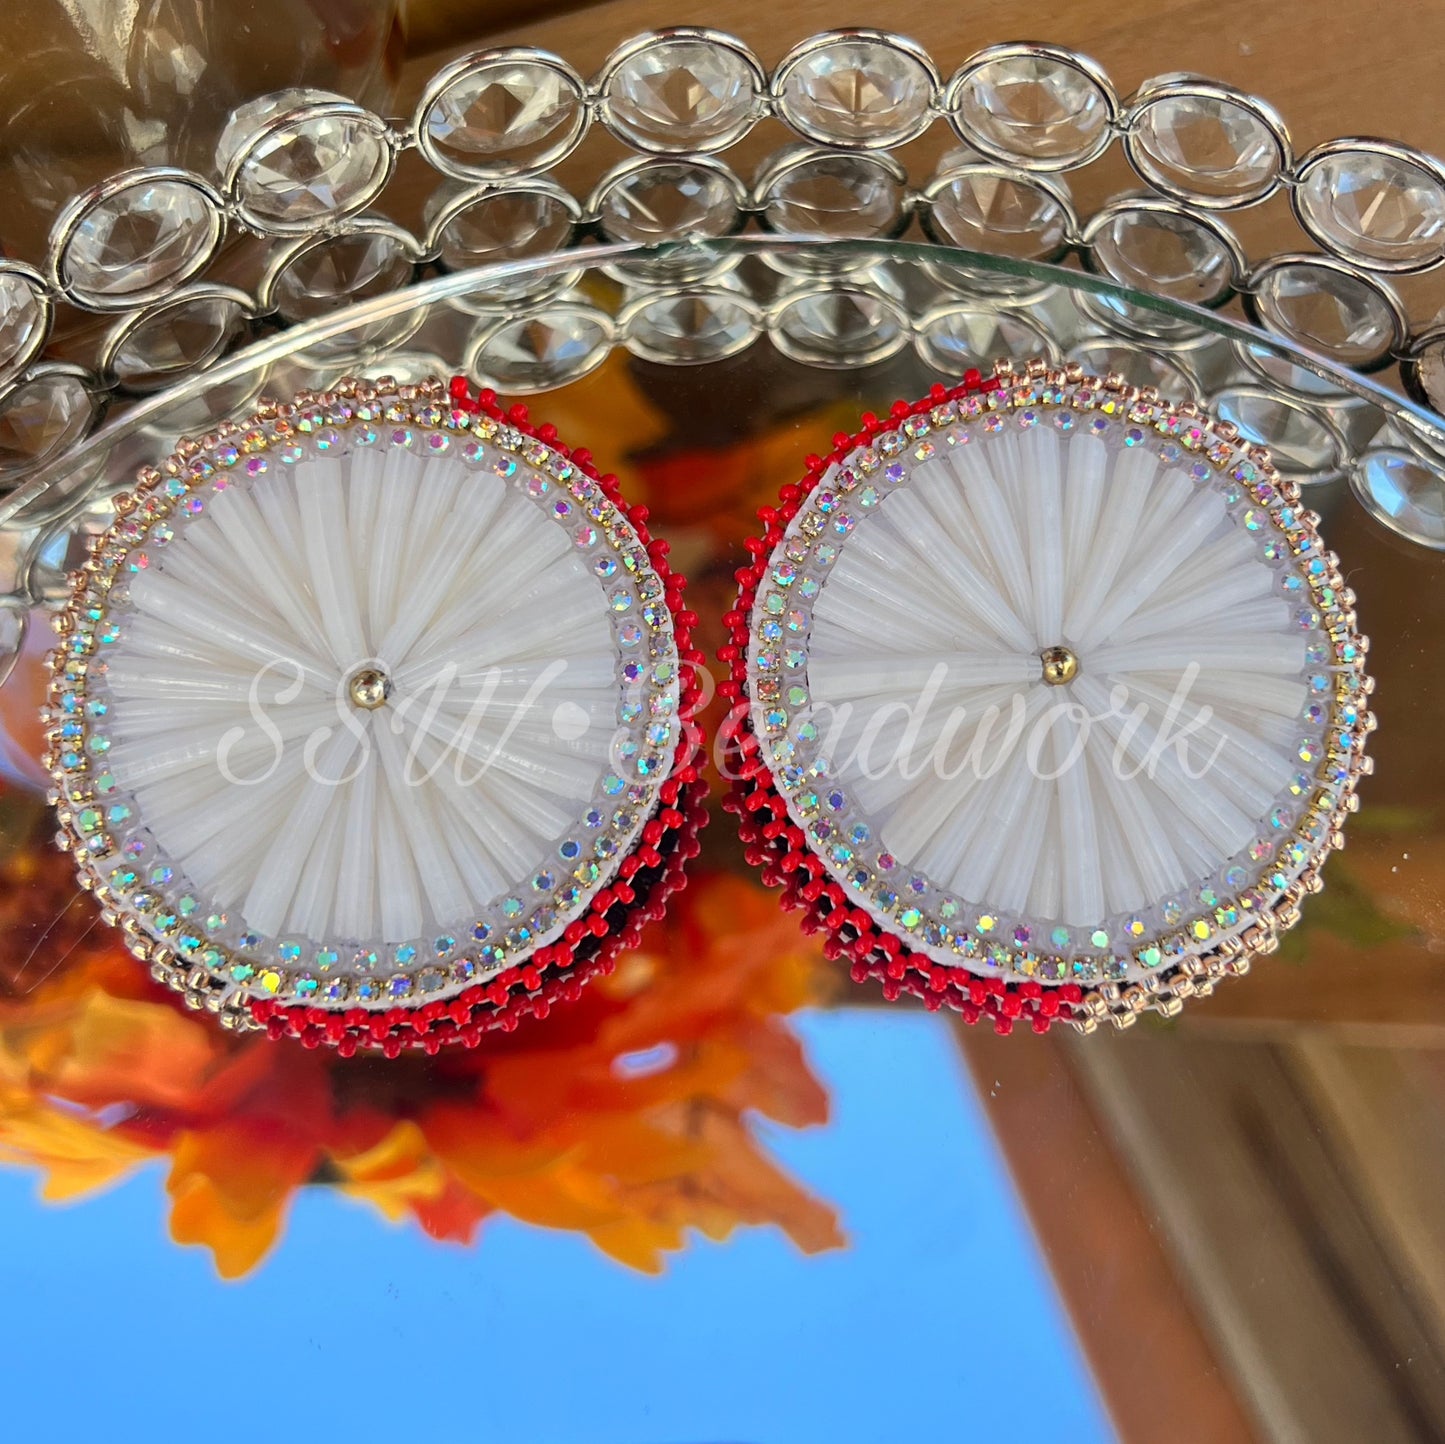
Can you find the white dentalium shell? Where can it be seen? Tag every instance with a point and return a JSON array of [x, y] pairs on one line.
[[895, 669], [529, 725]]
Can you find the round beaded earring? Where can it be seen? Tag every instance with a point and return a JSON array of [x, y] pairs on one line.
[[1049, 700], [371, 721]]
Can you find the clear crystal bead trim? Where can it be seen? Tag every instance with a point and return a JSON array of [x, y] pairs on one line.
[[1378, 205], [839, 324], [556, 344], [25, 313], [1207, 144], [1401, 486], [651, 200], [1039, 107], [863, 88], [137, 237], [815, 192], [300, 156], [308, 164], [480, 225], [503, 113], [1152, 247], [317, 274], [42, 416], [988, 207], [1328, 306], [172, 337], [681, 90], [691, 327]]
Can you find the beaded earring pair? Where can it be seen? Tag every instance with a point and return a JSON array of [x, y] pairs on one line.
[[374, 719]]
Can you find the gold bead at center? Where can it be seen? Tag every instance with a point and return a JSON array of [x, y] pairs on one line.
[[369, 688], [1060, 665]]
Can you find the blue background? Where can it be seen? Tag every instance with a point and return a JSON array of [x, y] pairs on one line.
[[357, 1328]]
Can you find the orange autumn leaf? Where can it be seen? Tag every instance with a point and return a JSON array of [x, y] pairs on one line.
[[744, 1188], [476, 1143], [777, 1082], [633, 1153], [639, 1242], [595, 1121], [565, 1196], [231, 1186], [199, 1216], [126, 1047], [398, 1176], [74, 1156], [452, 1217]]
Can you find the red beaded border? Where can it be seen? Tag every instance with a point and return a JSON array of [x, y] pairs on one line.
[[776, 845], [646, 878]]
